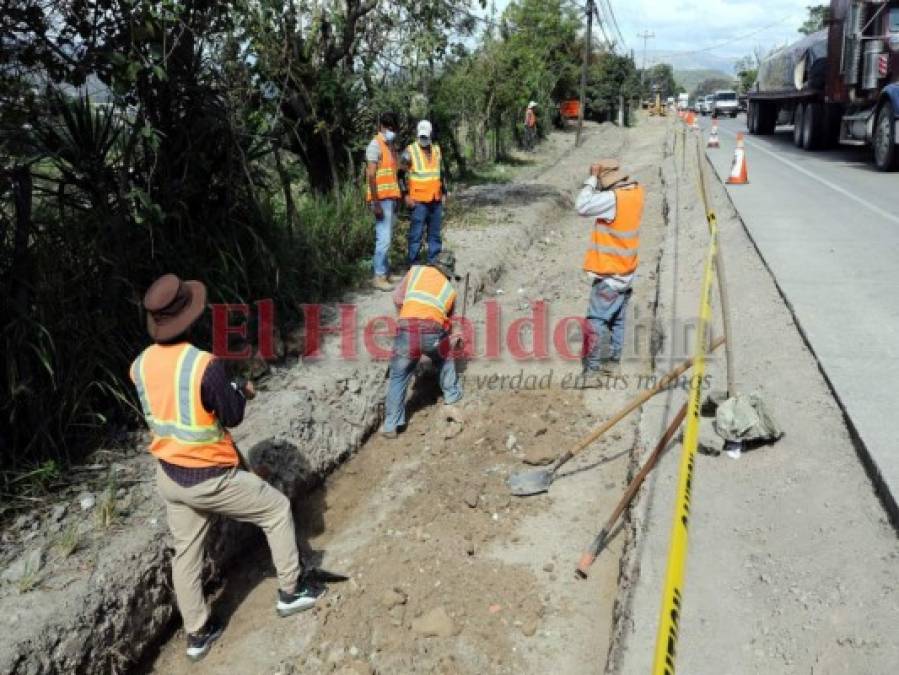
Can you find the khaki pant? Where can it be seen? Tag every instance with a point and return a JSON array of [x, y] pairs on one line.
[[239, 495]]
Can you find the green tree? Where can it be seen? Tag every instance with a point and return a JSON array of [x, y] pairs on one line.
[[746, 69], [817, 17]]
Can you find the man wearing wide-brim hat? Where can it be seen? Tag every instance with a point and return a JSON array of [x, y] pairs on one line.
[[425, 300], [614, 202], [189, 403]]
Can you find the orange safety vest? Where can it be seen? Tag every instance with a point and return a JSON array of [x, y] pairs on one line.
[[168, 378], [429, 295], [616, 242], [386, 180], [424, 176]]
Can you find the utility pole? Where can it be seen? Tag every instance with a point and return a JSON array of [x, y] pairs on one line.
[[647, 36], [588, 55]]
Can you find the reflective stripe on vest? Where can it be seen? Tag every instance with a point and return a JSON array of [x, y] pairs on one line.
[[385, 178], [429, 295], [616, 244], [424, 176], [168, 381]]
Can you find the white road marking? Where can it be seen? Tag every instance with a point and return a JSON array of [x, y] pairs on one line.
[[833, 186]]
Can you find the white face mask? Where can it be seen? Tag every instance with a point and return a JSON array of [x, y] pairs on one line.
[[424, 141], [389, 135]]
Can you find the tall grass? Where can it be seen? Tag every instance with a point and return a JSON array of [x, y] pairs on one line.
[[106, 220]]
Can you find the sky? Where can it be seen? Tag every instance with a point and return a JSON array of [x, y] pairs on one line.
[[705, 33]]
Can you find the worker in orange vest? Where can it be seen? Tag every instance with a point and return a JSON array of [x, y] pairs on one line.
[[530, 126], [425, 300], [615, 203], [426, 192], [382, 192], [189, 402]]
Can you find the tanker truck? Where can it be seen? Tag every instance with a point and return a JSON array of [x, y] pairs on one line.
[[839, 85]]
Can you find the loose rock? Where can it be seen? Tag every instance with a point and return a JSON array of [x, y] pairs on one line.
[[436, 623], [537, 456]]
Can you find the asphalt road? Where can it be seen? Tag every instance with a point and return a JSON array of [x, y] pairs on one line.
[[827, 225]]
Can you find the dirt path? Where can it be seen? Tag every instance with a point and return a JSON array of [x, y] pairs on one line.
[[426, 524]]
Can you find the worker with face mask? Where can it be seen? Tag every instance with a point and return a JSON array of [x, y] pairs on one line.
[[382, 192], [426, 193]]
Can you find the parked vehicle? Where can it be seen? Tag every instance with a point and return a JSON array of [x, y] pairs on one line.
[[839, 85], [724, 102], [683, 101]]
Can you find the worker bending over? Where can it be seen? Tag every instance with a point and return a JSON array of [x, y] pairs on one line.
[[616, 205], [188, 403], [425, 300], [426, 193]]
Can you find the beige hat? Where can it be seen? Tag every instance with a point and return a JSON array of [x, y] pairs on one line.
[[609, 178]]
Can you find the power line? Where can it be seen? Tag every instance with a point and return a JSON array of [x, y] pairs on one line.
[[611, 13], [647, 36], [725, 43]]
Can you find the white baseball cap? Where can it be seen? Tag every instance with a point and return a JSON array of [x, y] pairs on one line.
[[532, 104], [424, 128]]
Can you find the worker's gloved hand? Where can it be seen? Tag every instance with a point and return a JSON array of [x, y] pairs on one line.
[[377, 209], [410, 203]]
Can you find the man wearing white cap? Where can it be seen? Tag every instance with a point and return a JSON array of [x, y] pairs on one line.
[[425, 194], [530, 126]]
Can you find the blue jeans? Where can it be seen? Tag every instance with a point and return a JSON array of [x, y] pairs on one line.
[[383, 233], [605, 315], [410, 343], [430, 215]]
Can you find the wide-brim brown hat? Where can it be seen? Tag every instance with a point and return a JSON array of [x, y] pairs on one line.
[[446, 263], [173, 306], [608, 164], [610, 178]]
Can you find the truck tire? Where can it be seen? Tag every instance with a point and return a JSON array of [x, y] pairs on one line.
[[798, 120], [812, 126], [751, 118], [886, 156]]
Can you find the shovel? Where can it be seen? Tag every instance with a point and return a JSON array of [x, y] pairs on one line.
[[524, 484], [600, 541]]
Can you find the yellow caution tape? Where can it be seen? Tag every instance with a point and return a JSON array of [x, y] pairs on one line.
[[673, 595]]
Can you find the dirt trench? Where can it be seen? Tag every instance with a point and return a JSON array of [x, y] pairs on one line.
[[397, 516]]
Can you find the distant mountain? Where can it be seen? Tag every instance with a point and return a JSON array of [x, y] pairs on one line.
[[689, 79]]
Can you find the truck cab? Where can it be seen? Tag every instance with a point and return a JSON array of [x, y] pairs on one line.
[[839, 85]]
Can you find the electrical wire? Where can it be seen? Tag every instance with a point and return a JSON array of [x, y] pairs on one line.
[[725, 43]]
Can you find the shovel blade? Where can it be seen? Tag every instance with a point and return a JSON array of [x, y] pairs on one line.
[[528, 483]]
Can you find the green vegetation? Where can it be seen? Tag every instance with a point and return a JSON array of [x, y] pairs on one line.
[[223, 140], [817, 17]]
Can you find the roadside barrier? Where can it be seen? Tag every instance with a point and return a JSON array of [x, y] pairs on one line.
[[738, 172], [713, 141]]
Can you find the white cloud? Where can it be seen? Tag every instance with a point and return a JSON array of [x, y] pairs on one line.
[[705, 31]]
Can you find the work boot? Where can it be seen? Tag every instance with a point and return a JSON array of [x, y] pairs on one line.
[[381, 283], [389, 435], [301, 599], [611, 367], [592, 379], [199, 643]]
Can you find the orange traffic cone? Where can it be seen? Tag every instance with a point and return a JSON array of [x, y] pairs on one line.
[[713, 136], [738, 172], [690, 119]]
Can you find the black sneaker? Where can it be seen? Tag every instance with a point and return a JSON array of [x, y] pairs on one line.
[[300, 600], [199, 643]]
